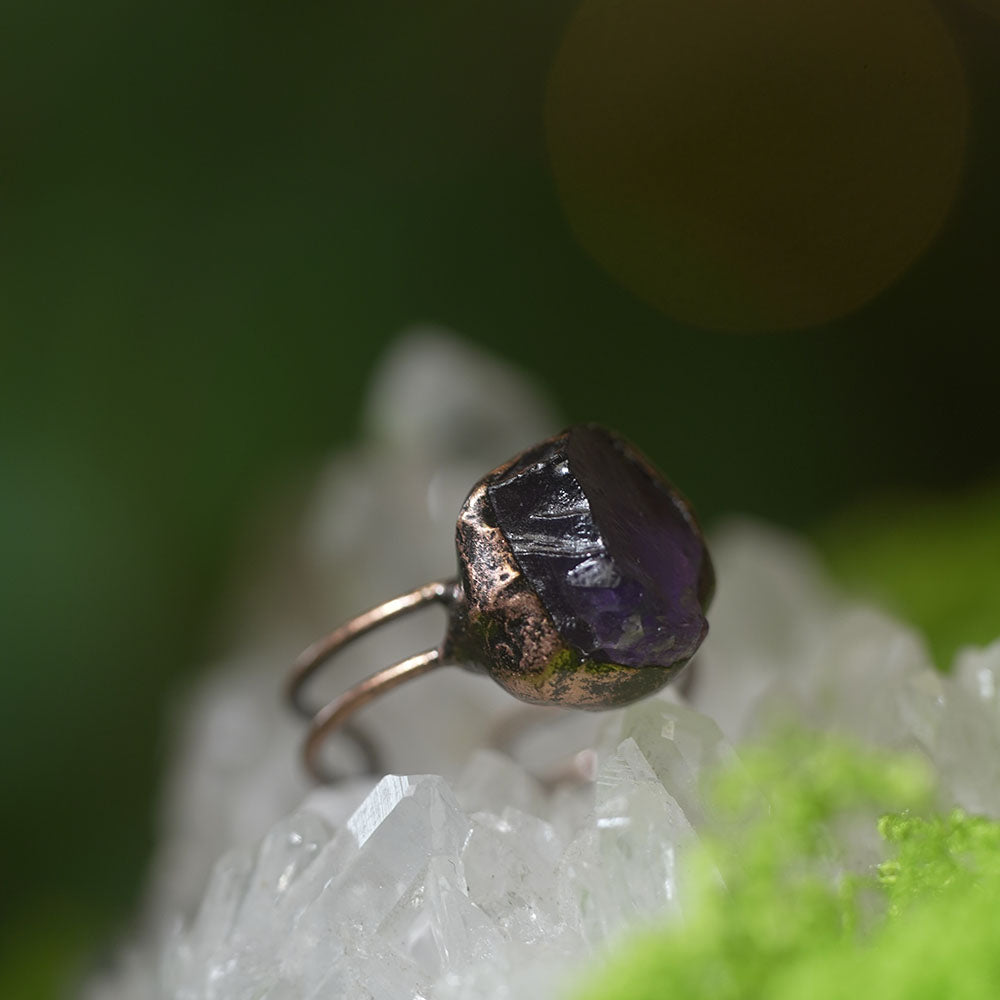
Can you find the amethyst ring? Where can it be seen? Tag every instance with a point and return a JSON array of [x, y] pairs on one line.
[[583, 582]]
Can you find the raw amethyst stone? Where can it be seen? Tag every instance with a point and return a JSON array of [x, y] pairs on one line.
[[612, 549]]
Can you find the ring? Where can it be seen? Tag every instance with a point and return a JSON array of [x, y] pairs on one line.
[[583, 581]]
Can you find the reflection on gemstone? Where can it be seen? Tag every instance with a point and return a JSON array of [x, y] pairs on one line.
[[611, 548]]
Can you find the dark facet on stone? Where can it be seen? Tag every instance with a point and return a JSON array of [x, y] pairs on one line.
[[612, 549]]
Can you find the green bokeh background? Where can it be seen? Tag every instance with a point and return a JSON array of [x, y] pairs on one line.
[[213, 218]]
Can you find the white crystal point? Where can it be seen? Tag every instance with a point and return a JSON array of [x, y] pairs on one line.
[[394, 834], [784, 647], [681, 746], [225, 949], [977, 671], [966, 753], [436, 396], [624, 866], [867, 675], [965, 743], [771, 604], [492, 782], [510, 865], [379, 904], [235, 773]]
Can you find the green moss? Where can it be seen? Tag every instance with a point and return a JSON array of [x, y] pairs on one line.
[[789, 919], [942, 854], [570, 661], [564, 660], [595, 667]]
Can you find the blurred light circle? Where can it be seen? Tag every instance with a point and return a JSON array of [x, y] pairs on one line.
[[756, 165]]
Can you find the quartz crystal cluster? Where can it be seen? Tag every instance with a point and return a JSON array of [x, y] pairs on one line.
[[485, 887], [478, 881]]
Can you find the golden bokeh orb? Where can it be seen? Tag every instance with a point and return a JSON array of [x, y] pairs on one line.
[[765, 165]]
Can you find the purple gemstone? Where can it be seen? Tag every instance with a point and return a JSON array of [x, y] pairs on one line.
[[612, 549]]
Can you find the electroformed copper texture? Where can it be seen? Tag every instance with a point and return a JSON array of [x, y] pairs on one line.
[[591, 596]]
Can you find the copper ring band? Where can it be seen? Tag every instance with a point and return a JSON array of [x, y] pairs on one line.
[[334, 715]]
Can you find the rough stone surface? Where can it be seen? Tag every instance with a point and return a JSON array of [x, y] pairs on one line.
[[611, 548]]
